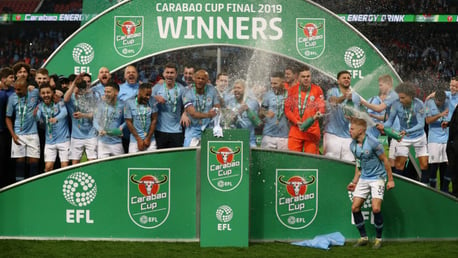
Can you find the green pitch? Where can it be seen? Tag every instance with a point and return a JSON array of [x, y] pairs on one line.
[[25, 248]]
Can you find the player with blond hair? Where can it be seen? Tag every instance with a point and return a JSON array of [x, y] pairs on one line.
[[371, 173]]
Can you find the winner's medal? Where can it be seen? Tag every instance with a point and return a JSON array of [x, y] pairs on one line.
[[48, 115], [142, 113], [281, 105], [22, 110]]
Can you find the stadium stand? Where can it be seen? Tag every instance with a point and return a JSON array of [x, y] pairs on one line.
[[424, 52], [389, 6], [19, 6]]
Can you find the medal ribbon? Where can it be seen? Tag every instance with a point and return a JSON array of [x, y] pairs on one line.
[[299, 103], [358, 158], [169, 97], [49, 110], [200, 104], [110, 118], [142, 115], [22, 109], [77, 109], [408, 113], [281, 104]]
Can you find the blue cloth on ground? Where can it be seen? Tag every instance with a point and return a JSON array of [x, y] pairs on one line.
[[323, 241]]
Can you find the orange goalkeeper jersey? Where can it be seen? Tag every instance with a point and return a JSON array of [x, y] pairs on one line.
[[311, 102]]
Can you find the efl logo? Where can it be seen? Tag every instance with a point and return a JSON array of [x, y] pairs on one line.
[[83, 54], [148, 196], [224, 214], [310, 37], [355, 58], [79, 189], [225, 160], [128, 36], [296, 197]]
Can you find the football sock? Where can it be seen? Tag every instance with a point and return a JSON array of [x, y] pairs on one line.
[[445, 184], [359, 222], [378, 223], [443, 170], [33, 168], [424, 176], [432, 174], [20, 170], [397, 171]]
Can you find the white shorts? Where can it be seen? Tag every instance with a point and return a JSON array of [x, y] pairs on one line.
[[337, 147], [107, 150], [376, 187], [77, 146], [51, 151], [437, 153], [30, 147], [133, 147], [278, 143], [195, 142], [419, 144], [392, 150]]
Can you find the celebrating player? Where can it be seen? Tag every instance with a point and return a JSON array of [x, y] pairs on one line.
[[371, 171]]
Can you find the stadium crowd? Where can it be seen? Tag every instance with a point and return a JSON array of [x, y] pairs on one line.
[[387, 6]]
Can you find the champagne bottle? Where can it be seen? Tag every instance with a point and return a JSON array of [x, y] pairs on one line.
[[349, 108], [254, 118], [306, 124], [392, 133], [114, 132]]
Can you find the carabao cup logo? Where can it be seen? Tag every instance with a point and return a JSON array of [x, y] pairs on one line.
[[225, 160], [310, 37], [296, 198], [148, 198], [128, 36]]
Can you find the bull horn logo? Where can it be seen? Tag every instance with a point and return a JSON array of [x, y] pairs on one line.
[[225, 154], [128, 27], [148, 184], [310, 29], [296, 185]]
